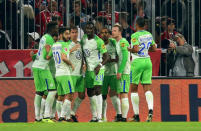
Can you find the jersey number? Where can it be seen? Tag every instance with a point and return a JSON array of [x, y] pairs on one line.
[[143, 47], [57, 57]]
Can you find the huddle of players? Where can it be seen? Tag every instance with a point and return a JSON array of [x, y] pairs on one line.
[[96, 64]]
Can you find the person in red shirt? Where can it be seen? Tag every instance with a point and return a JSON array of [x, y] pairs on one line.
[[45, 16], [170, 32], [108, 13]]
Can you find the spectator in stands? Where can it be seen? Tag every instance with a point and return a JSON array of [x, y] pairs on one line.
[[108, 12], [28, 23], [170, 32], [78, 12], [183, 64], [45, 16], [141, 5], [10, 20], [127, 31], [33, 39], [5, 42], [57, 19], [175, 9], [101, 22]]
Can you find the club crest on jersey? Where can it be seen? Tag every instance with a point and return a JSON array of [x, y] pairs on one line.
[[86, 52], [134, 40], [78, 55]]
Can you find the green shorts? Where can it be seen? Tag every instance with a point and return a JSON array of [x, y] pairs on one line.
[[64, 85], [123, 85], [78, 83], [91, 79], [43, 80], [109, 81], [141, 71]]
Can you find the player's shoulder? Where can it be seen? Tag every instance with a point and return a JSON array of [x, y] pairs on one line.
[[98, 39], [124, 40], [112, 41]]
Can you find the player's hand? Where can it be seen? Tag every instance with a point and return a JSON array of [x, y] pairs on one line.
[[77, 46], [47, 48], [129, 49], [118, 76], [32, 53], [84, 68], [172, 46], [97, 69], [73, 67]]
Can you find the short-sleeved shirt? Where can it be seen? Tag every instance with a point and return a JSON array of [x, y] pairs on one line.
[[144, 39], [93, 51], [40, 61], [124, 56], [62, 69], [76, 59], [111, 67]]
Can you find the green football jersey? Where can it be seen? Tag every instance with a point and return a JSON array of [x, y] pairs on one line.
[[93, 51], [40, 61], [76, 59], [144, 39], [124, 56], [62, 69], [111, 67]]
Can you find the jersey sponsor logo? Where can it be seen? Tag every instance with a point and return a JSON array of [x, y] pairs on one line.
[[134, 40], [103, 46], [122, 44], [66, 49], [86, 52], [78, 55]]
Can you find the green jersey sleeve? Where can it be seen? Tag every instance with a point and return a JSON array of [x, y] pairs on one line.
[[124, 49], [34, 57], [101, 46], [50, 53], [134, 39]]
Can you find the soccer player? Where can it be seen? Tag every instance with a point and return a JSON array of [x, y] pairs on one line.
[[110, 79], [42, 76], [95, 56], [77, 75], [141, 67], [60, 52], [123, 72]]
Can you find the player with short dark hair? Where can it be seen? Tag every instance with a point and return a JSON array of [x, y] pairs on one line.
[[77, 75], [141, 67], [110, 79], [65, 89], [43, 78], [95, 56]]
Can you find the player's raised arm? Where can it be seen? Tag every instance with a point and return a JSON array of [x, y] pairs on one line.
[[66, 60]]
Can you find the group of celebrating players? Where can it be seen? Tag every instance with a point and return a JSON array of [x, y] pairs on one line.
[[64, 65]]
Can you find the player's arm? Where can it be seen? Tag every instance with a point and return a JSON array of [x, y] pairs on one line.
[[135, 43], [49, 56], [153, 46], [103, 50], [66, 60], [33, 56], [122, 66], [77, 46]]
